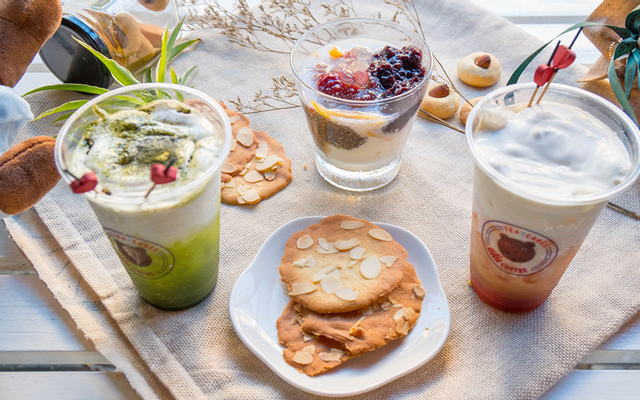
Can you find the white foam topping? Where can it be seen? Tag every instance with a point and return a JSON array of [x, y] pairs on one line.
[[555, 149]]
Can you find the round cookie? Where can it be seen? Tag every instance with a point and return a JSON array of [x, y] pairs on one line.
[[440, 101], [341, 264], [479, 69], [390, 317], [466, 109], [267, 173], [322, 353]]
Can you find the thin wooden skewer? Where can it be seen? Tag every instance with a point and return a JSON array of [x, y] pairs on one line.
[[555, 71], [533, 96]]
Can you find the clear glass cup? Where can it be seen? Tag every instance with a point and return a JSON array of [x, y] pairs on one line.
[[169, 241], [550, 229], [358, 143]]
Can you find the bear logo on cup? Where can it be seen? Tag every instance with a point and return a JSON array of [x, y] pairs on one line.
[[135, 255], [516, 250]]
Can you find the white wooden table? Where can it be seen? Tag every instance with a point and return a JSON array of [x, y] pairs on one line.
[[44, 355]]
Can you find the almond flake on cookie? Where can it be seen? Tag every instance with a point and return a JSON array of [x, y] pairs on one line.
[[388, 260], [381, 235], [304, 242], [301, 288], [370, 267], [344, 245], [346, 293], [351, 225]]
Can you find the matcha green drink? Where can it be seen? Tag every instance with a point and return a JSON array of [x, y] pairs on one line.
[[166, 232]]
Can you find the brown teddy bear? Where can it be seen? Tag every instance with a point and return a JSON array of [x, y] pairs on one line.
[[27, 170]]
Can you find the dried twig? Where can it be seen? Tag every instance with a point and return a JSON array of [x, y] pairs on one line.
[[623, 210]]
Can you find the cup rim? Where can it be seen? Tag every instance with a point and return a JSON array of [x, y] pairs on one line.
[[533, 195], [363, 103], [114, 198]]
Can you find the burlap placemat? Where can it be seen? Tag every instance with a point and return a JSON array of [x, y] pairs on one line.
[[196, 354]]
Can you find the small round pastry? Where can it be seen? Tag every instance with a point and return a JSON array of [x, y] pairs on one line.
[[466, 109], [479, 69], [27, 173], [154, 5], [440, 100]]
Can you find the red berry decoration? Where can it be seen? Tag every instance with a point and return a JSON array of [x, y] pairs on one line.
[[88, 182], [564, 57], [543, 74], [161, 174]]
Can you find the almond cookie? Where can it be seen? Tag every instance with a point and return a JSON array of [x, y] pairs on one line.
[[440, 100], [390, 317], [243, 140], [322, 353], [341, 264], [479, 69], [267, 173]]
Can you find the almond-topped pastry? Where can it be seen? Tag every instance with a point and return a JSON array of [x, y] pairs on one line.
[[390, 317], [341, 264], [308, 353]]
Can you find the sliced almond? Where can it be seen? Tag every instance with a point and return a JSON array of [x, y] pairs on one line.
[[251, 196], [267, 163], [357, 253], [235, 118], [270, 175], [253, 177], [295, 319], [243, 172], [228, 168], [388, 260], [306, 337], [352, 263], [400, 324], [351, 224], [405, 328], [243, 188], [397, 305], [379, 234], [299, 319], [311, 349], [302, 358], [305, 262], [332, 249], [304, 242], [344, 245], [370, 267], [400, 313], [392, 301], [234, 144], [385, 305], [324, 272], [367, 311], [330, 357], [230, 184], [298, 288], [330, 283], [262, 150], [245, 136], [409, 313], [355, 326], [419, 291], [241, 200], [346, 293], [323, 243]]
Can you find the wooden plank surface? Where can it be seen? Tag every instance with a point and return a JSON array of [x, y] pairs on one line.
[[66, 386]]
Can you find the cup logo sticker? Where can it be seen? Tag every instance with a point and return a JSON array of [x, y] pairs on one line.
[[517, 250], [146, 259]]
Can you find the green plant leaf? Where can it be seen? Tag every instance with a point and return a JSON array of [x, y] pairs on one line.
[[184, 77], [68, 106], [518, 72], [174, 76], [617, 88], [75, 87], [630, 74], [162, 63], [175, 33], [636, 55], [119, 73], [175, 51], [632, 21], [63, 117]]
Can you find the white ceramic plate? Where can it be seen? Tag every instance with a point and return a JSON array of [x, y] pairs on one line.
[[259, 297]]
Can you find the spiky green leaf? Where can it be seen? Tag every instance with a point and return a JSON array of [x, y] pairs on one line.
[[75, 87], [68, 106], [119, 73]]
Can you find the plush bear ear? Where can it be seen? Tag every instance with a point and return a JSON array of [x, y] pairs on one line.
[[503, 236]]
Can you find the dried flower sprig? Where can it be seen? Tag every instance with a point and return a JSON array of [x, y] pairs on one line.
[[283, 90]]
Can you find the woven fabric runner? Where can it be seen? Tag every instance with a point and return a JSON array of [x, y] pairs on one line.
[[196, 354]]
